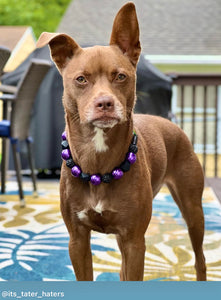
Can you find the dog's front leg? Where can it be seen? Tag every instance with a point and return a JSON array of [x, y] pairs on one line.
[[80, 254], [133, 252]]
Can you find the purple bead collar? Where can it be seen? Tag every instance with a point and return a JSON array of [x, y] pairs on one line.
[[97, 179]]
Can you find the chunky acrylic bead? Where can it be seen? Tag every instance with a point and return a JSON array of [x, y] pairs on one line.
[[66, 154], [64, 144], [64, 136], [117, 173], [133, 148], [125, 166], [106, 178], [95, 179], [85, 177], [70, 163], [76, 171], [131, 157], [134, 139]]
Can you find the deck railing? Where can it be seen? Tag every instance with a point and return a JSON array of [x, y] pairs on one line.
[[196, 105]]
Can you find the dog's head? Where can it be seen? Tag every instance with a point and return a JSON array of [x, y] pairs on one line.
[[99, 82]]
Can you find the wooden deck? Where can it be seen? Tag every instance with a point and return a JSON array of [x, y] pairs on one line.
[[215, 184]]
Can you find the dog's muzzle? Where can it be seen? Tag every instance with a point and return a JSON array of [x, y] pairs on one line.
[[106, 112]]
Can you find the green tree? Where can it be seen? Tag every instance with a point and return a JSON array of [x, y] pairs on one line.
[[40, 14]]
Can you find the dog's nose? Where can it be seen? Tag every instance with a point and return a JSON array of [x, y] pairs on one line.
[[104, 104]]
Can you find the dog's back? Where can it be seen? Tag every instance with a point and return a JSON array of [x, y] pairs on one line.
[[164, 143]]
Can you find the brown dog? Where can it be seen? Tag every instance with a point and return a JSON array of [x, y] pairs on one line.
[[99, 96]]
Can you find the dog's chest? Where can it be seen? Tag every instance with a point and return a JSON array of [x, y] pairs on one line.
[[99, 218]]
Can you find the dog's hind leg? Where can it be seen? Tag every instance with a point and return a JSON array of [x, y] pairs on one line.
[[186, 186], [122, 271]]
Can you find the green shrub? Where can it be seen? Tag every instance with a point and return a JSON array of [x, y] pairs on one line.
[[40, 14]]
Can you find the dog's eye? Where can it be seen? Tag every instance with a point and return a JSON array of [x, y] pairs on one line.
[[81, 79], [120, 77]]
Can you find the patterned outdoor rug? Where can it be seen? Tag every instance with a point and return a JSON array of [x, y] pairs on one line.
[[34, 240]]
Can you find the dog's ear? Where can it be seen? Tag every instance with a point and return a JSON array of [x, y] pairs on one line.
[[62, 47], [125, 32]]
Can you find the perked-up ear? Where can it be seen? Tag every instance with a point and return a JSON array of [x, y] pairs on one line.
[[125, 32], [62, 47]]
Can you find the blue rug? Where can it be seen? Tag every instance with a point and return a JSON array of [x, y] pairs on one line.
[[34, 240]]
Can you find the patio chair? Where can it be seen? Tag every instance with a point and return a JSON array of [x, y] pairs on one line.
[[4, 56], [17, 111]]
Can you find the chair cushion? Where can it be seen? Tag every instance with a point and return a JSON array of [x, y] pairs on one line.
[[5, 128]]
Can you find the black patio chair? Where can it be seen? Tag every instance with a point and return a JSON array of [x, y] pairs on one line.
[[4, 56], [17, 111]]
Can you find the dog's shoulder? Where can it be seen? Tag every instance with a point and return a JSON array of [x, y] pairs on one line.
[[145, 122], [157, 130]]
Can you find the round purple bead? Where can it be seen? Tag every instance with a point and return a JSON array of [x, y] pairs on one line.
[[131, 157], [76, 171], [117, 173], [64, 136], [95, 179], [66, 154]]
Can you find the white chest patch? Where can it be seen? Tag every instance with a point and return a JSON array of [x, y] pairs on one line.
[[98, 208], [82, 214], [99, 140]]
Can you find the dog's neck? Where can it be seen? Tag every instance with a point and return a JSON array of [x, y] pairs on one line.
[[98, 150]]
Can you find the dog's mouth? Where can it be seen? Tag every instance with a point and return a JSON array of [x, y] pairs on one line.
[[104, 115], [105, 122]]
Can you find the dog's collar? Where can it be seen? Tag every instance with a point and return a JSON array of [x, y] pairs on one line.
[[97, 179]]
